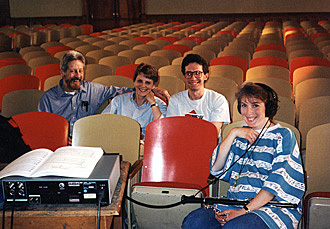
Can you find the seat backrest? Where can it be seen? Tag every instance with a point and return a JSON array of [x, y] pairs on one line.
[[195, 38], [5, 43], [245, 45], [303, 53], [206, 54], [214, 45], [309, 89], [113, 133], [43, 129], [169, 38], [313, 112], [269, 60], [235, 52], [87, 28], [11, 61], [99, 54], [178, 149], [45, 71], [114, 62], [171, 83], [52, 82], [159, 43], [92, 39], [67, 40], [20, 101], [9, 54], [114, 80], [132, 54], [76, 44], [282, 87], [25, 50], [116, 48], [143, 39], [300, 46], [266, 71], [76, 31], [225, 86], [34, 54], [20, 40], [227, 71], [117, 39], [177, 47], [93, 71], [156, 61], [55, 49], [147, 48], [103, 43], [267, 40], [131, 43], [231, 60], [317, 159], [305, 61], [171, 70], [189, 43], [42, 60], [309, 72], [270, 47], [16, 82], [86, 48], [274, 53], [168, 54], [177, 61], [49, 44], [126, 70], [15, 69], [326, 50]]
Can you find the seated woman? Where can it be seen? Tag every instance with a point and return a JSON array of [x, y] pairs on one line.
[[141, 104], [261, 162]]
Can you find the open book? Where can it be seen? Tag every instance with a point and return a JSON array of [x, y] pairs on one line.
[[67, 161]]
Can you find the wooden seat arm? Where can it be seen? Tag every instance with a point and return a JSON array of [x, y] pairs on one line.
[[135, 168]]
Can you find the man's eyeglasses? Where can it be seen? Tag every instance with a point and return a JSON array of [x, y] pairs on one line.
[[189, 74]]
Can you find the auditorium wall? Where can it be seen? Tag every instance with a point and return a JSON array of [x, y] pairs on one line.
[[108, 14]]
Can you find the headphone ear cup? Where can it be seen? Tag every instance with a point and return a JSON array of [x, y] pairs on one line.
[[271, 108], [239, 106], [268, 109]]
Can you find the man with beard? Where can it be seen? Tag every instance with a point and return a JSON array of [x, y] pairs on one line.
[[73, 98], [198, 101]]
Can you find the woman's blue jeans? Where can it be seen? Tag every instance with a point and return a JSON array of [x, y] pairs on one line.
[[205, 218]]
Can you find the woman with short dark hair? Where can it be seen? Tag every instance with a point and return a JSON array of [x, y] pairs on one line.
[[141, 104], [262, 163]]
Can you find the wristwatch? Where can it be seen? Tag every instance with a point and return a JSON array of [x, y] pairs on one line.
[[247, 210], [154, 105]]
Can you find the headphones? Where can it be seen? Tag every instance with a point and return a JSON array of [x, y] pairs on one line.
[[271, 104]]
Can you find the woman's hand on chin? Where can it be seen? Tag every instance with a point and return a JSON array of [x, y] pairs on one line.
[[250, 134], [150, 97]]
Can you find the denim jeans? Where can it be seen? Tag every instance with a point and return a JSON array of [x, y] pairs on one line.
[[203, 218]]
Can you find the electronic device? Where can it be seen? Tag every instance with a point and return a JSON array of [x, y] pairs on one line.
[[66, 190]]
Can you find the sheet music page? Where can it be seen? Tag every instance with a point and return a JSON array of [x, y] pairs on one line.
[[26, 164], [71, 162]]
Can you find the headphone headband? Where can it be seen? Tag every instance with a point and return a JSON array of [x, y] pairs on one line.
[[268, 89]]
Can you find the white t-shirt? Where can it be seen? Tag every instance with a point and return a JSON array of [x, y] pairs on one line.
[[213, 107]]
